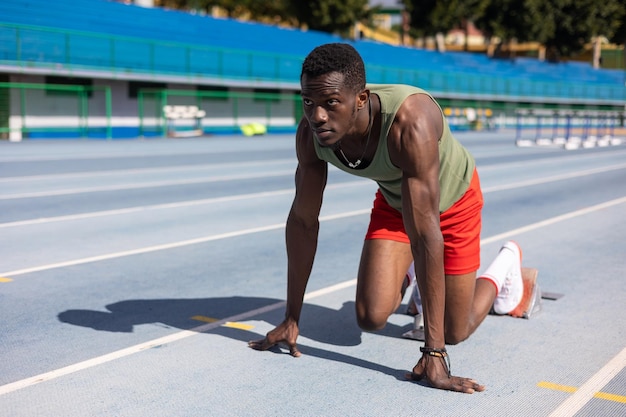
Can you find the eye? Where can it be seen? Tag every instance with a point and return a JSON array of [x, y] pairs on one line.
[[307, 102], [333, 102]]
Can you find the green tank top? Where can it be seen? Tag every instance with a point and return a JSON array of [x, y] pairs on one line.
[[456, 164]]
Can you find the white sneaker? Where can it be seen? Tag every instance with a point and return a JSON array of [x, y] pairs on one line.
[[512, 291]]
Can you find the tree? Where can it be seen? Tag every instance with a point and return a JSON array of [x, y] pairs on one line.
[[506, 19], [233, 8], [269, 9], [564, 26], [619, 37], [567, 25], [332, 16], [429, 17], [421, 21]]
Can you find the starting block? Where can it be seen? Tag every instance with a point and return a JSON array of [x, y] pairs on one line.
[[417, 332]]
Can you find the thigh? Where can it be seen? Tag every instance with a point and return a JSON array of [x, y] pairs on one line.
[[383, 266]]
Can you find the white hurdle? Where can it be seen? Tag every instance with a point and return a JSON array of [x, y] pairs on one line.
[[570, 129]]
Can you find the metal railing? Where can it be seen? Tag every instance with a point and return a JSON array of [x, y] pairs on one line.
[[77, 116]]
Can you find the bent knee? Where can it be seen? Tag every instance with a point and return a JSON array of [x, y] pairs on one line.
[[456, 337], [370, 321]]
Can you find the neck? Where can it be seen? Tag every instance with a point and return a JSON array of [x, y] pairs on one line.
[[368, 134], [356, 140], [364, 135]]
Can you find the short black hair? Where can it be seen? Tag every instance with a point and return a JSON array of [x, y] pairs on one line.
[[336, 57]]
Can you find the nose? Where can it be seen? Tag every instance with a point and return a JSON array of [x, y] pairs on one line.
[[319, 115]]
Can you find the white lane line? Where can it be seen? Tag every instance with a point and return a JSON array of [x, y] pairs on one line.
[[136, 171], [553, 178], [80, 157], [556, 219], [269, 162], [204, 239], [27, 382], [485, 190], [546, 161], [179, 204], [167, 152], [147, 184], [585, 393], [90, 363], [171, 245]]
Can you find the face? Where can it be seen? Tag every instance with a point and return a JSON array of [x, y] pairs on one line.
[[329, 107]]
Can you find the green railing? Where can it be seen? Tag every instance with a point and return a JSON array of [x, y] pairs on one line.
[[54, 110], [73, 103], [233, 105]]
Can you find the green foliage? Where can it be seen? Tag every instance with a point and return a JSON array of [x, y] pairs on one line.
[[506, 19], [429, 17], [568, 24], [562, 25], [620, 32], [234, 8], [333, 16]]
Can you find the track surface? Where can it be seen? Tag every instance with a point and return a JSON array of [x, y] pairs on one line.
[[133, 273]]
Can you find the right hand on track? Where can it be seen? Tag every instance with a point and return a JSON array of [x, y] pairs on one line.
[[285, 333]]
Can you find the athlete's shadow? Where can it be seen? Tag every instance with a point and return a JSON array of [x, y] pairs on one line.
[[336, 327], [322, 324]]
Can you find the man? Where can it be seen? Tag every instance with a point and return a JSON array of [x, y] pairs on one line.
[[427, 210]]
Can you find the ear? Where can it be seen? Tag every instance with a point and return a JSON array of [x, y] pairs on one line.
[[362, 98]]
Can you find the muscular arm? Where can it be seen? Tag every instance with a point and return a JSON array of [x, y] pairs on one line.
[[303, 220], [301, 238], [414, 148]]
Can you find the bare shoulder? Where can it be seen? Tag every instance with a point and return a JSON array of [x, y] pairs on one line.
[[418, 114], [310, 179], [305, 150], [415, 132]]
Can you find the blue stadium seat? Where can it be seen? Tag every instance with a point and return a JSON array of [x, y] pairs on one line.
[[170, 41]]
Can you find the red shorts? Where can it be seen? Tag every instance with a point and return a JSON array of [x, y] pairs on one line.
[[460, 226]]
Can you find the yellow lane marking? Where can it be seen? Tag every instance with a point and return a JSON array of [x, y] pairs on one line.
[[230, 324], [565, 388], [240, 326], [611, 397], [204, 319], [3, 279], [556, 387]]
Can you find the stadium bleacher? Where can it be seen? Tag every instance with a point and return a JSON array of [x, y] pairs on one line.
[[169, 41]]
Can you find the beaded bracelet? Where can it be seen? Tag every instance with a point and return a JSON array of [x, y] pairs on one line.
[[438, 353]]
